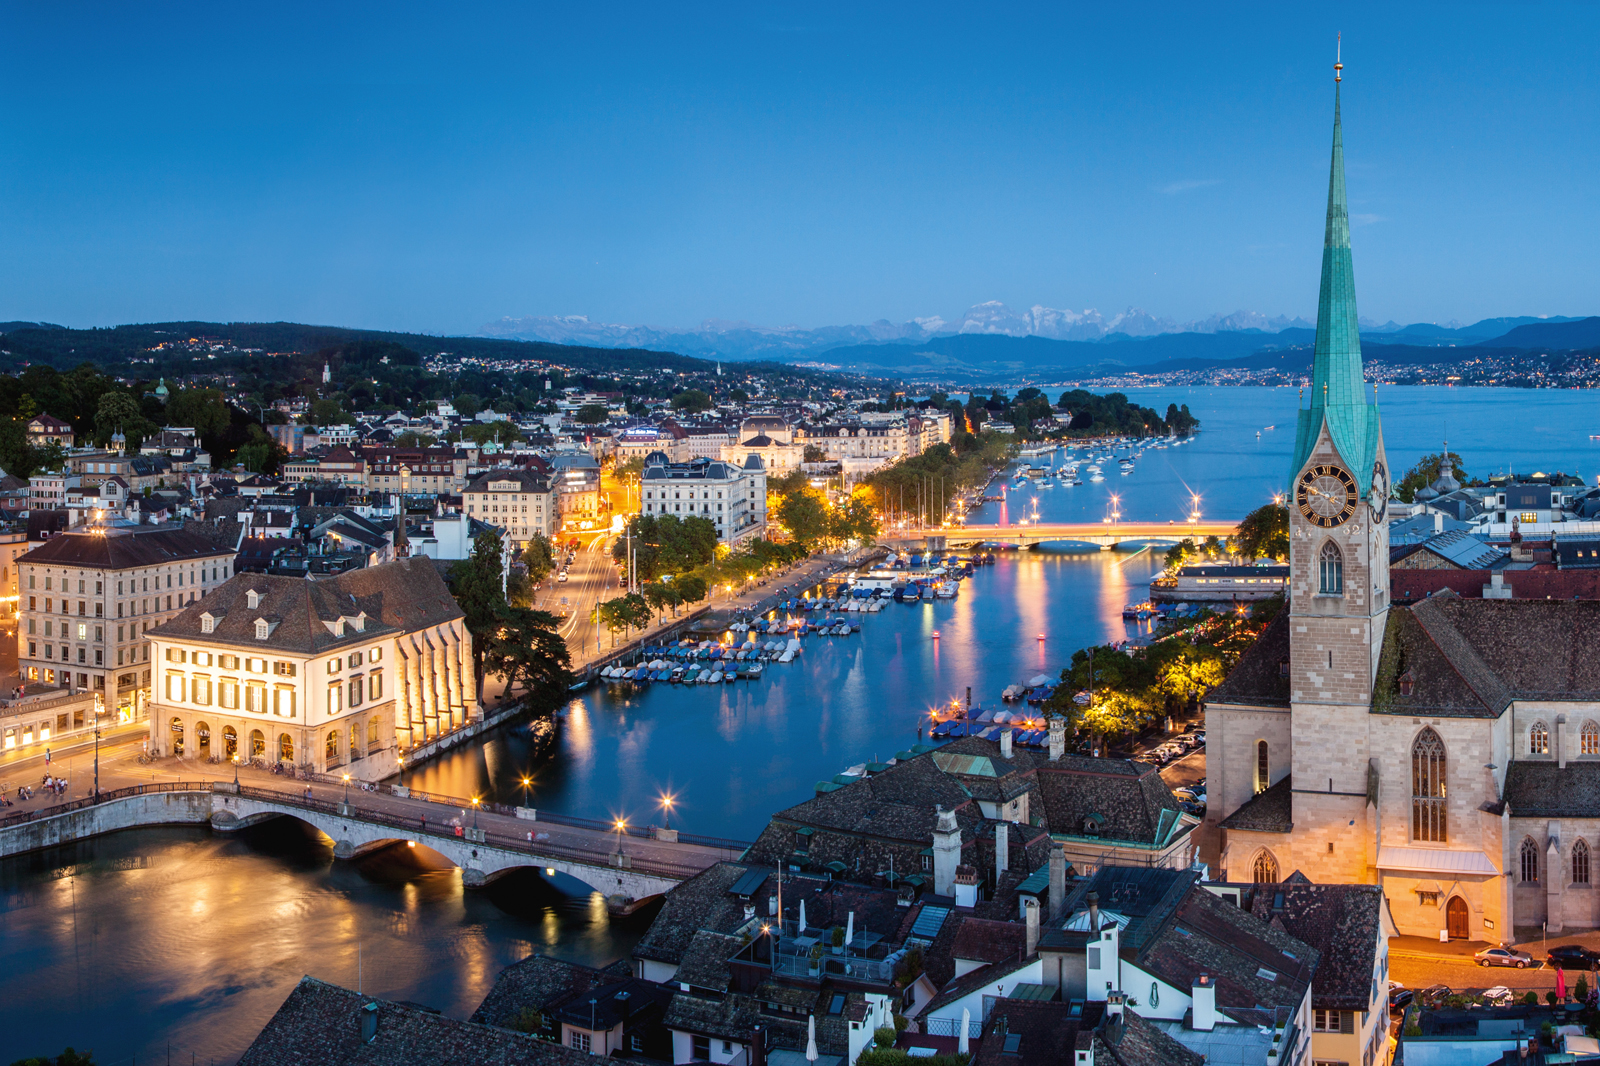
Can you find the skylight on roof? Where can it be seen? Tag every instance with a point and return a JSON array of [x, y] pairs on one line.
[[1266, 974]]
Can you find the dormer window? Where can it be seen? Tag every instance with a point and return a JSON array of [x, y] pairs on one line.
[[252, 599], [264, 628], [1408, 683], [208, 623]]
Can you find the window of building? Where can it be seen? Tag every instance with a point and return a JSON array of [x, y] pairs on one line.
[[1580, 862], [1263, 766], [335, 665], [228, 693], [1265, 868], [200, 690], [375, 655], [1428, 788], [335, 698], [1538, 739], [1530, 861], [580, 1041], [1331, 570], [700, 1046], [283, 669], [1589, 739], [1428, 898], [375, 686]]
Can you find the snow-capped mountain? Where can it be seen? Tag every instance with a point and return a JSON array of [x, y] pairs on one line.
[[745, 340]]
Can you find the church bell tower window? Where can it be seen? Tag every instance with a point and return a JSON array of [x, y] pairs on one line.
[[1539, 739], [1331, 570], [1427, 788], [1263, 766]]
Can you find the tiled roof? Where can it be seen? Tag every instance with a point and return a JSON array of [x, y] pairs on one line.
[[973, 980], [1044, 1033], [705, 962], [1258, 680], [1132, 801], [1135, 1042], [1343, 922], [702, 902], [1268, 811], [538, 981], [1542, 789], [320, 1025], [122, 549], [398, 597], [988, 941]]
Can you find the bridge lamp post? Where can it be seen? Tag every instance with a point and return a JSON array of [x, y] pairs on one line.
[[526, 783], [667, 800], [474, 810], [621, 827], [347, 790]]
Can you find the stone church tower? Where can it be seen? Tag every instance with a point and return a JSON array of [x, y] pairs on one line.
[[1339, 560]]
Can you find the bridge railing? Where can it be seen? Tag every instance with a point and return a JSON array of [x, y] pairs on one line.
[[34, 815], [577, 822], [422, 826]]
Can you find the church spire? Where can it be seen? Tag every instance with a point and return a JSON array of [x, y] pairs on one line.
[[1337, 385]]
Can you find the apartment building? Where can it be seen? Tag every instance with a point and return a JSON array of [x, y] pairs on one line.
[[519, 502], [89, 595], [733, 497], [342, 673], [415, 471]]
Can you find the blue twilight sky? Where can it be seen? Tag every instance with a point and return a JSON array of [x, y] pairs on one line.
[[433, 167]]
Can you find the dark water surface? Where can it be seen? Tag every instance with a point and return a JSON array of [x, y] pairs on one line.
[[130, 941]]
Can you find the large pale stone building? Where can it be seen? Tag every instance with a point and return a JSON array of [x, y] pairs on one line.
[[1449, 750], [344, 674]]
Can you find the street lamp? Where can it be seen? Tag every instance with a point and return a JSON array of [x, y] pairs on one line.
[[526, 782], [666, 809], [474, 810], [621, 826], [346, 789]]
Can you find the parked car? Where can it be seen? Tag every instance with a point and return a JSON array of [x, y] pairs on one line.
[[1433, 996], [1400, 996], [1572, 957], [1503, 957], [1192, 807]]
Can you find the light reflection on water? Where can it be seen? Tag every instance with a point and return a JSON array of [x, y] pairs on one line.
[[735, 753], [125, 943]]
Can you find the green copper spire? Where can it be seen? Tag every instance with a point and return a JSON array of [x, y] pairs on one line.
[[1338, 394]]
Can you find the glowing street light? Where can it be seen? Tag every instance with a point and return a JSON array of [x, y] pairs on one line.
[[666, 802], [346, 788], [526, 782], [474, 812]]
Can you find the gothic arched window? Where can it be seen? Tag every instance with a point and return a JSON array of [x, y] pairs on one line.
[[1589, 739], [1538, 739], [1580, 862], [1530, 861], [1266, 868], [1331, 569], [1427, 787], [1263, 766]]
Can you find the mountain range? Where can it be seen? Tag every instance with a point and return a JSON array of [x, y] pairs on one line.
[[1218, 336]]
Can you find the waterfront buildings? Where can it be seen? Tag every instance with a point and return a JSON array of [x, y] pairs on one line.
[[732, 497], [89, 596], [346, 671]]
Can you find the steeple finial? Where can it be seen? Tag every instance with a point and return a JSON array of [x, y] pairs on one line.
[[1338, 58]]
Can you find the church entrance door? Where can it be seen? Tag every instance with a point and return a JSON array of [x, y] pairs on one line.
[[1455, 918]]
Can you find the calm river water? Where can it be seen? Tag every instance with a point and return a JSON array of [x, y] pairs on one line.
[[138, 940]]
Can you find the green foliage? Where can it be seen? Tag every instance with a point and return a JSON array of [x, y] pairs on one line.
[[1112, 414], [1551, 998], [854, 520], [68, 1057], [630, 467], [925, 484], [1179, 421], [1263, 533], [1580, 990], [413, 438], [803, 511], [527, 650], [201, 408], [467, 404], [692, 401], [1531, 1000], [524, 1020], [692, 587], [1426, 472], [884, 1036], [539, 556], [481, 433], [666, 544], [117, 410], [891, 1056], [476, 582], [628, 611], [838, 936], [593, 414], [1181, 554]]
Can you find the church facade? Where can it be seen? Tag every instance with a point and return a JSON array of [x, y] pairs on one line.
[[1447, 750]]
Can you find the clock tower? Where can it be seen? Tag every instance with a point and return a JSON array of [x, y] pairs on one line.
[[1339, 561]]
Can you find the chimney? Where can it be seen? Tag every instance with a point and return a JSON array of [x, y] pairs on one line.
[[1005, 744], [369, 1022], [1002, 850], [1561, 742], [772, 906], [1030, 916], [758, 1046], [1116, 1001], [946, 851], [749, 911], [1058, 880], [1093, 900], [1058, 737], [1203, 993]]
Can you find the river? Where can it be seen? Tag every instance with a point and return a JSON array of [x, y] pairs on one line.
[[132, 941]]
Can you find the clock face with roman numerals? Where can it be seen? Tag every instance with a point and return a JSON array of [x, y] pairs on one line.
[[1327, 496]]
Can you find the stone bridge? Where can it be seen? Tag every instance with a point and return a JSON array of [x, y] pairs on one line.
[[1105, 534], [623, 866]]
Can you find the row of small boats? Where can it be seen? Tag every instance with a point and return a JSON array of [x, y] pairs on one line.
[[659, 670]]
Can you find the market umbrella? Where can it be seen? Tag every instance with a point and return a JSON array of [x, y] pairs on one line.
[[1561, 984]]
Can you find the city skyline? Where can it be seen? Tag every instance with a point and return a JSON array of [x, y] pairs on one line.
[[416, 172]]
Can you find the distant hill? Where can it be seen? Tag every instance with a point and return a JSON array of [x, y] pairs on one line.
[[1569, 333]]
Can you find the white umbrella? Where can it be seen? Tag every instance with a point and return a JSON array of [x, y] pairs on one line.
[[966, 1020], [850, 929], [811, 1038], [802, 916]]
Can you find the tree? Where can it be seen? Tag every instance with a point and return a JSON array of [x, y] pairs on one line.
[[666, 544], [804, 513], [692, 401], [527, 650], [539, 557], [1181, 554], [476, 582], [468, 404], [854, 520], [1426, 472], [481, 433], [324, 413], [412, 438], [1263, 533], [69, 1057], [118, 411], [692, 588], [814, 454], [593, 414], [202, 409]]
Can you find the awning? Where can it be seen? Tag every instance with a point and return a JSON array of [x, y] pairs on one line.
[[1450, 863]]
